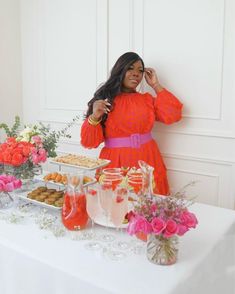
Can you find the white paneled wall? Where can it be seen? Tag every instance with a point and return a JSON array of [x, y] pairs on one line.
[[10, 63], [70, 46]]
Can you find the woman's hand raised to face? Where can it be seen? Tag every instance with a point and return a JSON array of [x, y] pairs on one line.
[[152, 79], [100, 107]]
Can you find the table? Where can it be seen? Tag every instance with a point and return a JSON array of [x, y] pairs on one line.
[[33, 262]]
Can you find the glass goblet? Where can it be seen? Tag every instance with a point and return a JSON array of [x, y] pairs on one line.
[[105, 200], [93, 209], [119, 209], [136, 182]]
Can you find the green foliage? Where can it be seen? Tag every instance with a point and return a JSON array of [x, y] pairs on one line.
[[51, 138], [11, 132]]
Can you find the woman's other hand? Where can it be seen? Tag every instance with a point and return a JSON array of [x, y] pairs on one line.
[[152, 79], [100, 107]]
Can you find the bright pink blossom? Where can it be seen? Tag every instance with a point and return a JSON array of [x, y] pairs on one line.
[[182, 229], [142, 225], [139, 224], [37, 140], [171, 228], [188, 219], [9, 183], [158, 225]]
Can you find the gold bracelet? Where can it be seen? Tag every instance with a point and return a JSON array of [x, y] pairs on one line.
[[92, 121]]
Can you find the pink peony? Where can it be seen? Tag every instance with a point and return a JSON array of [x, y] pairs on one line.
[[189, 219], [158, 225], [170, 229]]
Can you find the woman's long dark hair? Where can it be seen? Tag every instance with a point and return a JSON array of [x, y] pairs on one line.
[[113, 86]]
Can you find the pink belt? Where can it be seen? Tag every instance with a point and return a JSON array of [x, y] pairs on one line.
[[134, 141]]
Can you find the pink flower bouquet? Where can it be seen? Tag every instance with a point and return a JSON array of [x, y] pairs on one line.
[[9, 183], [165, 216]]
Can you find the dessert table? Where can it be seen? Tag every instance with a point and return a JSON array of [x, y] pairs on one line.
[[34, 261]]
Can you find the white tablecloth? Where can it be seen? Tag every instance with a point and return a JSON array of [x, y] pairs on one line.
[[33, 261]]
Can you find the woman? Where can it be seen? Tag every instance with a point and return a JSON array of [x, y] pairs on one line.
[[123, 118]]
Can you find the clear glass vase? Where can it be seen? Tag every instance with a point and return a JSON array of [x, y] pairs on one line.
[[147, 183], [25, 173], [6, 200], [161, 250]]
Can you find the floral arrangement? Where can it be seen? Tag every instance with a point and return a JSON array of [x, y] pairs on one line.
[[48, 138], [30, 147], [16, 153], [9, 183], [162, 216]]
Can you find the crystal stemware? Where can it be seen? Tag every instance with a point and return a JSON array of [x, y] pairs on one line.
[[119, 209], [93, 210], [105, 198]]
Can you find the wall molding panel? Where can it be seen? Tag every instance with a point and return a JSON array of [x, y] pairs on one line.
[[191, 45]]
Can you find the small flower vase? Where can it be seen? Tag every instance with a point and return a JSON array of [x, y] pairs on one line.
[[6, 200], [161, 250], [25, 173]]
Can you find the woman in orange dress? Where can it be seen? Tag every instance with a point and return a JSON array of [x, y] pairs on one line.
[[123, 118]]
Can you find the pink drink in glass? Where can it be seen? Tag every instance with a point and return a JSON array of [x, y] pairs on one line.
[[92, 203], [119, 206], [136, 183]]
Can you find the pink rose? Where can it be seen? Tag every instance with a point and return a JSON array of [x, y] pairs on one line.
[[35, 159], [37, 140], [42, 152], [3, 178], [189, 219], [138, 224], [170, 229], [9, 187], [131, 228], [142, 225], [158, 225], [17, 184], [182, 229]]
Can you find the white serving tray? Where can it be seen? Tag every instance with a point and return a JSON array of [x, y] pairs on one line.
[[40, 178], [106, 162], [23, 196]]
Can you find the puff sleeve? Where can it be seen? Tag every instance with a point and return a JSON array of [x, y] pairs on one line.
[[91, 136], [168, 109]]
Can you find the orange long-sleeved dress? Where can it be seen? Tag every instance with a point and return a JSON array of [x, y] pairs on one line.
[[135, 113]]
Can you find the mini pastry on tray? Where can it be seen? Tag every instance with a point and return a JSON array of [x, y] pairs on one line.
[[80, 160]]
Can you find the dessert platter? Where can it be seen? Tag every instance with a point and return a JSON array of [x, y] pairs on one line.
[[60, 179], [42, 196], [80, 161], [49, 190]]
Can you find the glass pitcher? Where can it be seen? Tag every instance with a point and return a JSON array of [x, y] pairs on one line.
[[147, 184], [74, 214]]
